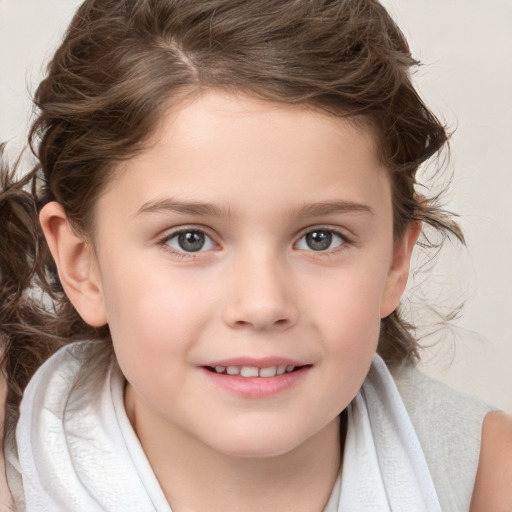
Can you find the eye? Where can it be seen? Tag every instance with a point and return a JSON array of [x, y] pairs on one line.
[[190, 240], [320, 240]]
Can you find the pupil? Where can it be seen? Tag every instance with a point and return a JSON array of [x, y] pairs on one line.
[[319, 240], [191, 241]]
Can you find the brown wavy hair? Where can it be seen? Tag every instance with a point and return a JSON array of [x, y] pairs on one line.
[[120, 65]]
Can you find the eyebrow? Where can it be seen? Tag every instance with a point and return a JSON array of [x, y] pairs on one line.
[[326, 208], [210, 209], [185, 207]]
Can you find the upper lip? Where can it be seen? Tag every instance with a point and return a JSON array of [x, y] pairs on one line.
[[265, 362]]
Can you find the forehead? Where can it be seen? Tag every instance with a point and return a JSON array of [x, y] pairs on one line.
[[236, 150]]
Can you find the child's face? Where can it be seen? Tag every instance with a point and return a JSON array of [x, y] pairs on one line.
[[249, 235]]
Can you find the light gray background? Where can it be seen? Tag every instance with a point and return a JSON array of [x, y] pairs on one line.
[[466, 46]]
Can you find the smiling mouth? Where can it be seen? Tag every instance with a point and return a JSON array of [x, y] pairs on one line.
[[253, 371]]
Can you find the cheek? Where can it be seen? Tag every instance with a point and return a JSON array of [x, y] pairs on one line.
[[157, 320], [155, 300], [348, 313], [351, 296], [353, 332]]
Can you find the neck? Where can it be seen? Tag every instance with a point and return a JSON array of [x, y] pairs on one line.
[[194, 477]]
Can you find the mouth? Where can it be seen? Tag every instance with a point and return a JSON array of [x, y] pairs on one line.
[[256, 379], [254, 371]]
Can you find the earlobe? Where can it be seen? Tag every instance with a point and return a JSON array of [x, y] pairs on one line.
[[399, 269], [76, 264]]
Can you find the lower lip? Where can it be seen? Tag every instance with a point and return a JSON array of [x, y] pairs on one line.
[[257, 387]]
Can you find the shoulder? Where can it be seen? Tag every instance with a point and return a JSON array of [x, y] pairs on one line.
[[13, 496], [448, 424], [439, 410], [493, 485]]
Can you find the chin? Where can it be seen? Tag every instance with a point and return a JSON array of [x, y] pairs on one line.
[[257, 446]]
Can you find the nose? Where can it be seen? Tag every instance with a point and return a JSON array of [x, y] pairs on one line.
[[261, 294]]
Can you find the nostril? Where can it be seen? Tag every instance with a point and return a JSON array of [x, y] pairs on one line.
[[260, 313]]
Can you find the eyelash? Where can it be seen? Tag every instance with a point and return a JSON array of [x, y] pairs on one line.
[[164, 241], [344, 241]]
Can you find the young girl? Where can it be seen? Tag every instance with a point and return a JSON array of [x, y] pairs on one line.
[[227, 192]]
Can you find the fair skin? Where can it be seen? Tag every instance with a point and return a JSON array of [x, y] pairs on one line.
[[252, 236], [493, 486]]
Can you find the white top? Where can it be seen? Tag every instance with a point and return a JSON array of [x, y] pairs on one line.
[[78, 451], [448, 424]]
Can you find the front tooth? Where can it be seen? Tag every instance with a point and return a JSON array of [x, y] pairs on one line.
[[220, 369], [281, 369], [268, 372], [290, 368], [233, 370], [249, 371]]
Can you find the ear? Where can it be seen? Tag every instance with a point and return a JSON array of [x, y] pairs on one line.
[[76, 264], [399, 269]]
